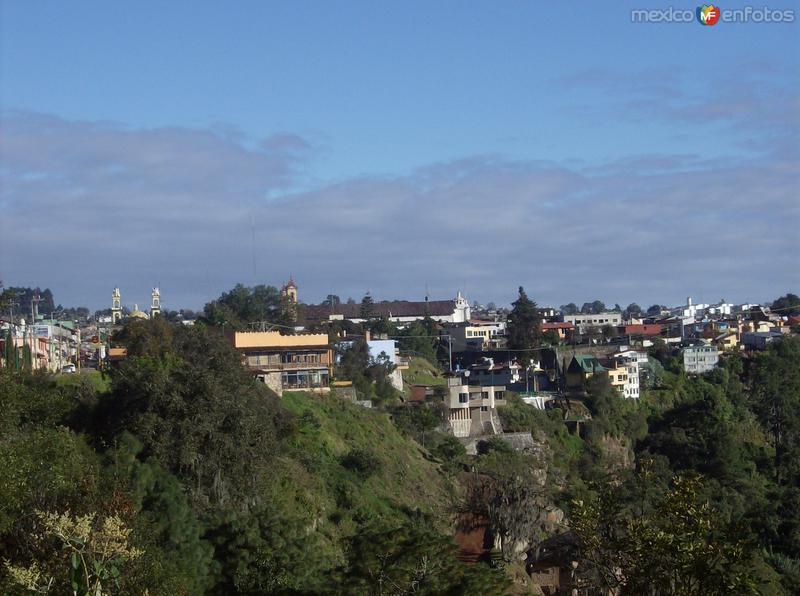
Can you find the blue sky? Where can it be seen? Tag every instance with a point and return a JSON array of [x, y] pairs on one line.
[[383, 146]]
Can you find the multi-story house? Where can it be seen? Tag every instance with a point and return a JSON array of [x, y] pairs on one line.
[[286, 362], [583, 322], [486, 372], [471, 408], [700, 358], [580, 369], [624, 373], [476, 335]]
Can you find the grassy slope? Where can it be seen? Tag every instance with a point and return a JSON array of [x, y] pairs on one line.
[[421, 372], [314, 481], [91, 376]]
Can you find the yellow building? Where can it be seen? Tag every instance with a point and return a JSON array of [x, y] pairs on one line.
[[302, 362], [618, 376], [727, 342]]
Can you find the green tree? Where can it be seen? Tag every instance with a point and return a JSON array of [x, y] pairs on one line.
[[674, 544], [569, 309], [411, 559], [367, 310], [790, 303], [776, 395], [331, 300], [633, 310], [242, 305], [196, 412], [524, 326]]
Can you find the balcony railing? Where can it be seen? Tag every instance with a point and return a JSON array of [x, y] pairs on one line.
[[289, 365]]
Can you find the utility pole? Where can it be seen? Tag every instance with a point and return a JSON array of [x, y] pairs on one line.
[[450, 350]]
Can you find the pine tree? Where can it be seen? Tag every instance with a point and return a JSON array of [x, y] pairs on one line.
[[367, 308], [524, 326]]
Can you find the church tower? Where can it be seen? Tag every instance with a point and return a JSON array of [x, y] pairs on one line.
[[116, 306], [289, 300], [155, 304], [461, 312], [289, 291]]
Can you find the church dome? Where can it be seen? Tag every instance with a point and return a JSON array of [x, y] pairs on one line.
[[138, 314]]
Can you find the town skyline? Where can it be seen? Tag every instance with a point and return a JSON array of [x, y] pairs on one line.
[[476, 148]]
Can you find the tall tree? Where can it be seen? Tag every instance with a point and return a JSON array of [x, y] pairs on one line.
[[243, 305], [569, 309], [680, 545], [787, 304], [367, 311], [776, 389], [633, 310], [524, 326], [331, 300]]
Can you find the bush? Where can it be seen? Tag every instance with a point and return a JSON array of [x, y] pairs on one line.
[[362, 462], [449, 449], [494, 444]]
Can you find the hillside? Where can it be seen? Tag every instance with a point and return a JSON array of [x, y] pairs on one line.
[[352, 465]]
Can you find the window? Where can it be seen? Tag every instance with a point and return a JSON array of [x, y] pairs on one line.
[[463, 398], [499, 394], [484, 408]]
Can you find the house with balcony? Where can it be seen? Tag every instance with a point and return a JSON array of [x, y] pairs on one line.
[[476, 335], [300, 362], [487, 372], [471, 409], [623, 372], [586, 322], [700, 358]]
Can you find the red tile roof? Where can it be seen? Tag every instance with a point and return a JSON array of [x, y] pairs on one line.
[[644, 329], [557, 325]]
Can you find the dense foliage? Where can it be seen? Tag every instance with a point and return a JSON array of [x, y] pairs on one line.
[[177, 473], [186, 476], [702, 466]]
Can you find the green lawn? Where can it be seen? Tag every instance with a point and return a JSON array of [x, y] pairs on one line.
[[422, 372], [100, 383], [328, 429]]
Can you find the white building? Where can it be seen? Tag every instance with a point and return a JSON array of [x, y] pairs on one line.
[[691, 310], [486, 372], [476, 335], [700, 359], [583, 322], [639, 356], [628, 382]]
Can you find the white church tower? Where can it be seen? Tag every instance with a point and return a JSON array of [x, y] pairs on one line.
[[461, 312], [155, 304], [116, 306]]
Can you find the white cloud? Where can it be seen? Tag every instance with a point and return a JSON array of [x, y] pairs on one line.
[[89, 206]]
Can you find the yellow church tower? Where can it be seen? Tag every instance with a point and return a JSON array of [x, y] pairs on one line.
[[289, 300]]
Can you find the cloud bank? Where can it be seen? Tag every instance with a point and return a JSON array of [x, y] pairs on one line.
[[87, 206]]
